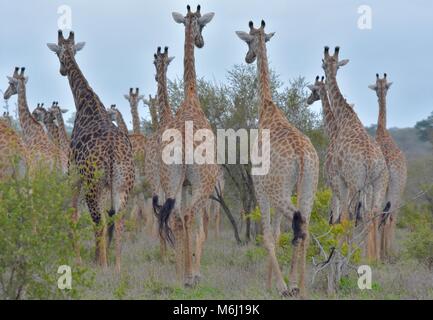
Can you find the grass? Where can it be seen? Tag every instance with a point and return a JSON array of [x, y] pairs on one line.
[[238, 272]]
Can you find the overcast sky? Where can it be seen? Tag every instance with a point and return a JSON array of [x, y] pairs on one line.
[[121, 37]]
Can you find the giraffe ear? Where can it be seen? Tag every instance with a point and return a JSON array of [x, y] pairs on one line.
[[79, 46], [64, 110], [206, 18], [53, 47], [12, 80], [179, 18], [388, 85], [343, 62], [26, 79], [170, 59], [269, 36], [373, 87], [312, 87], [140, 97], [244, 36], [126, 96]]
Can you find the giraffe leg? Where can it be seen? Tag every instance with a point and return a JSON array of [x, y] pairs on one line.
[[118, 225], [93, 199], [303, 261], [200, 239], [75, 219], [187, 246], [217, 220], [269, 243], [205, 224], [179, 255], [163, 249]]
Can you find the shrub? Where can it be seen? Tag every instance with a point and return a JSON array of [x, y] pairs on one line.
[[35, 237]]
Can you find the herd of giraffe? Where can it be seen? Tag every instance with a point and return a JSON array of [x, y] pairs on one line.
[[367, 177]]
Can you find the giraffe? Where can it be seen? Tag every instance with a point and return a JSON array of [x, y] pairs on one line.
[[47, 119], [396, 163], [187, 186], [64, 140], [363, 175], [37, 142], [318, 92], [139, 147], [117, 117], [160, 105], [293, 162], [14, 159], [134, 99], [138, 142], [99, 150], [213, 209]]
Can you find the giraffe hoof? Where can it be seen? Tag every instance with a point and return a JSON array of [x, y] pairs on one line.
[[190, 282], [294, 292], [285, 293]]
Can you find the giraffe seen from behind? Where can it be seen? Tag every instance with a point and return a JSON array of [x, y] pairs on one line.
[[362, 171], [397, 168], [294, 164]]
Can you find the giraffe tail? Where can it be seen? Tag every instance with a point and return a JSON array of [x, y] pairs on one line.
[[163, 217], [297, 223], [385, 214], [156, 206], [110, 229]]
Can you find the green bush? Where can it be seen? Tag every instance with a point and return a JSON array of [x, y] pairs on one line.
[[35, 237], [418, 220]]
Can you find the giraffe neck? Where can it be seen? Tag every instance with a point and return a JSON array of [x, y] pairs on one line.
[[63, 135], [121, 123], [135, 118], [154, 117], [164, 104], [381, 122], [343, 113], [32, 129], [264, 81], [86, 100], [330, 123], [53, 131], [189, 76]]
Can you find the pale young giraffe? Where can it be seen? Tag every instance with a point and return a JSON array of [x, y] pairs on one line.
[[38, 144], [396, 163], [318, 92], [160, 105], [178, 179], [53, 123], [64, 141], [293, 164], [99, 151], [363, 176], [138, 142], [14, 159]]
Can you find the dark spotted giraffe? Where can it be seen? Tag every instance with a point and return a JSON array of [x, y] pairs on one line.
[[99, 150]]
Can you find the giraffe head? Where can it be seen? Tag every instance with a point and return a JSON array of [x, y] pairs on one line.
[[195, 22], [40, 113], [161, 62], [6, 118], [133, 97], [15, 82], [317, 89], [112, 112], [153, 105], [255, 40], [65, 49], [56, 112], [330, 64], [381, 86]]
